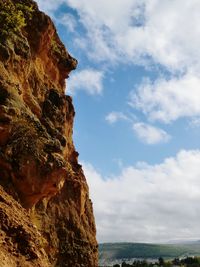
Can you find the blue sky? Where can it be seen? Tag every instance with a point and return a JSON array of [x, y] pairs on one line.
[[136, 93]]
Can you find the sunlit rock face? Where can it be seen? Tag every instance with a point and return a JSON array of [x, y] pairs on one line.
[[38, 162]]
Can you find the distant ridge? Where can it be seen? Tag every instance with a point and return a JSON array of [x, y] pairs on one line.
[[114, 251], [183, 242]]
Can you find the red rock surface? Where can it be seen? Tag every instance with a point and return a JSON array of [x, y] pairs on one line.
[[38, 162]]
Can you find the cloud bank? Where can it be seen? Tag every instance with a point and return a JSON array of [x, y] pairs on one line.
[[150, 203]]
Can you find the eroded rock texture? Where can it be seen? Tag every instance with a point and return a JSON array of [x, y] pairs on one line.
[[38, 162], [21, 243]]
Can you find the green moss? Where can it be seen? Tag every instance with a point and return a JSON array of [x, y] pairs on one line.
[[56, 49], [26, 10], [13, 17]]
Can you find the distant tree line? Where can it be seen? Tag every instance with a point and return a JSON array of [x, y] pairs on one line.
[[186, 262]]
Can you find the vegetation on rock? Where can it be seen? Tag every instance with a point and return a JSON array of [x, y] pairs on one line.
[[13, 17]]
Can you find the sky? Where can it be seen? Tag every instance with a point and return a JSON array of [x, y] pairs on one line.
[[136, 93]]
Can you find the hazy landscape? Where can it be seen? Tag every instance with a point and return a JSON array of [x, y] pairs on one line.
[[113, 253]]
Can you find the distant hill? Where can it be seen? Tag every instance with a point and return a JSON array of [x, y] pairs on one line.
[[114, 251]]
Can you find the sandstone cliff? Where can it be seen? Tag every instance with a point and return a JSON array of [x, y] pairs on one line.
[[46, 215]]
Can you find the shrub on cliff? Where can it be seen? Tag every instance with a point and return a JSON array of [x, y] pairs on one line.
[[13, 17]]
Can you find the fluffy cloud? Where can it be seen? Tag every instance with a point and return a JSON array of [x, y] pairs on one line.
[[132, 30], [144, 32], [168, 100], [160, 36], [115, 116], [103, 22], [88, 80], [148, 202], [150, 134], [135, 29]]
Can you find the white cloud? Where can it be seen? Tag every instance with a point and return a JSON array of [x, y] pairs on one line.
[[137, 31], [68, 21], [131, 29], [102, 21], [150, 203], [88, 80], [160, 36], [168, 100], [150, 134], [115, 116]]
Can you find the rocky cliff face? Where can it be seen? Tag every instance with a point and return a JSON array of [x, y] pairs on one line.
[[39, 172]]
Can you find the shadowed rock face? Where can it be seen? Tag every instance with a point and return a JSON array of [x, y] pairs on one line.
[[38, 162], [21, 243]]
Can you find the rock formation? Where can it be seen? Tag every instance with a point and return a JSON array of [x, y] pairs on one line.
[[46, 215]]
